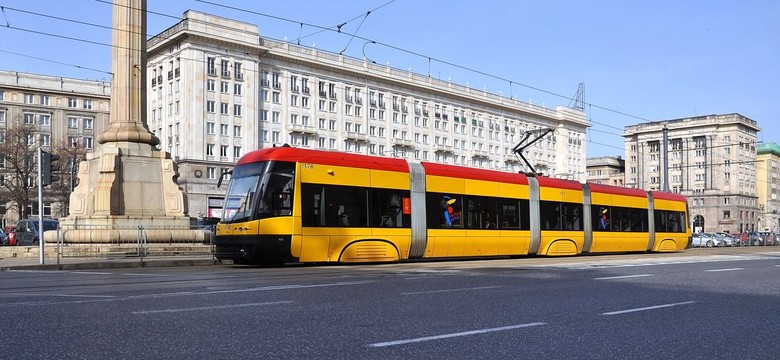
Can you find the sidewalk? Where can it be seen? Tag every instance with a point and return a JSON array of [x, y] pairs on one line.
[[91, 263]]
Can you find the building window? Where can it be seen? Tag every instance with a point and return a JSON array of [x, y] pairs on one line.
[[73, 103], [209, 149], [210, 106], [236, 152], [44, 119], [87, 122], [87, 104], [237, 130], [223, 108], [210, 84], [87, 142], [29, 119], [223, 150], [237, 89], [211, 173], [223, 129], [726, 214], [237, 110], [29, 98], [224, 86], [45, 139], [210, 128]]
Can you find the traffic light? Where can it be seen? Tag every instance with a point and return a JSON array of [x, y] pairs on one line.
[[49, 168]]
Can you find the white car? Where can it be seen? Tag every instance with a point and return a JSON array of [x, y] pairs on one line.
[[705, 240]]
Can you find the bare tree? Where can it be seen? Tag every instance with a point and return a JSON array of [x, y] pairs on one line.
[[70, 157], [20, 168]]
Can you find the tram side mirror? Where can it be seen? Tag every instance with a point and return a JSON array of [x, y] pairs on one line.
[[222, 176]]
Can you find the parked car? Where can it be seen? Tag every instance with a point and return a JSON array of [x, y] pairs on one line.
[[726, 239], [768, 238], [705, 240], [27, 233], [3, 237]]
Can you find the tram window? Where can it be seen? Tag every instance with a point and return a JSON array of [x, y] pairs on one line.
[[480, 212], [509, 217], [571, 214], [660, 221], [638, 219], [387, 208], [601, 218], [550, 213], [444, 210], [334, 206]]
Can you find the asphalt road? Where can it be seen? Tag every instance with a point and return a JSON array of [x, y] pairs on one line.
[[701, 305]]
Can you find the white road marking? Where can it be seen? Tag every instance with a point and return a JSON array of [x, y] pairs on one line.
[[730, 269], [622, 277], [451, 290], [219, 307], [648, 308], [447, 336], [284, 287]]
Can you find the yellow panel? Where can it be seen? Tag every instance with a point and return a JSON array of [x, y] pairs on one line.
[[401, 238], [557, 194], [669, 205], [445, 184], [335, 175], [369, 251], [513, 191], [483, 188], [482, 243], [601, 199], [572, 196], [604, 242], [514, 242], [390, 180], [639, 202], [315, 245], [341, 237]]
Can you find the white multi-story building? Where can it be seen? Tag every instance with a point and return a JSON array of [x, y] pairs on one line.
[[711, 160], [218, 90], [64, 113]]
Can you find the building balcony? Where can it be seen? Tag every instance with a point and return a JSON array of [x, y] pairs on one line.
[[357, 136], [402, 143], [301, 129], [479, 154], [443, 148]]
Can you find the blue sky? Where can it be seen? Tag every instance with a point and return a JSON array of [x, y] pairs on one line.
[[639, 60]]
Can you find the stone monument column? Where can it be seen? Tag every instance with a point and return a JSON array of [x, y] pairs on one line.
[[127, 182]]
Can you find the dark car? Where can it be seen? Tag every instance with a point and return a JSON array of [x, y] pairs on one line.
[[27, 233]]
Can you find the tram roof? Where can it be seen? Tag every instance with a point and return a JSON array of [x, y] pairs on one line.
[[335, 158], [463, 172], [617, 190]]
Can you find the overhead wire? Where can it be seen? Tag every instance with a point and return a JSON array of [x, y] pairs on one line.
[[338, 28]]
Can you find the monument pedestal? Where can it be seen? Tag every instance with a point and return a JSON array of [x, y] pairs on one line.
[[126, 188]]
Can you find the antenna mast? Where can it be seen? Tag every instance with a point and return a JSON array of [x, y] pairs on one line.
[[578, 101]]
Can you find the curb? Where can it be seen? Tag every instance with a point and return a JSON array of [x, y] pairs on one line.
[[120, 264]]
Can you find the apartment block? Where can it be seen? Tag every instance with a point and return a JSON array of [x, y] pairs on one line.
[[607, 170], [711, 159], [64, 112], [219, 90]]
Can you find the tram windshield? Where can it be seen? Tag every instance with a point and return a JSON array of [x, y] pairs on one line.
[[259, 190]]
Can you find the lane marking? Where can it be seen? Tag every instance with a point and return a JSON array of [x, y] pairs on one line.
[[622, 277], [451, 290], [730, 269], [648, 308], [219, 307], [447, 336], [285, 287]]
